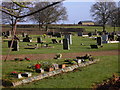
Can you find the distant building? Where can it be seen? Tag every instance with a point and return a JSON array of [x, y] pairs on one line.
[[86, 23]]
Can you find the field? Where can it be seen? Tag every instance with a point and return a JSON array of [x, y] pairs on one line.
[[80, 78]]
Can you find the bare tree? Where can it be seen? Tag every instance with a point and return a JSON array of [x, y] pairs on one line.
[[50, 15], [101, 12], [114, 19], [13, 8]]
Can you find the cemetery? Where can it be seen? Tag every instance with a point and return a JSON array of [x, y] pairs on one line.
[[41, 49], [35, 69]]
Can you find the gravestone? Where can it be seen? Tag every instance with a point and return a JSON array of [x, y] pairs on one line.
[[94, 46], [26, 74], [3, 33], [40, 70], [80, 33], [118, 38], [8, 33], [56, 66], [19, 76], [90, 34], [39, 40], [69, 37], [26, 39], [104, 38], [111, 37], [24, 34], [66, 44], [15, 45], [54, 41], [99, 41]]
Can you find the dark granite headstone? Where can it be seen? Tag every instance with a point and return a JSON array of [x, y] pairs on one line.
[[99, 41], [66, 44], [8, 33], [15, 45], [90, 34], [54, 41], [39, 40]]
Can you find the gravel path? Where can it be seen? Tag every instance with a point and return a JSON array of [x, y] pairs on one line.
[[64, 55]]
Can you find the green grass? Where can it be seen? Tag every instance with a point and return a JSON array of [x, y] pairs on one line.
[[92, 28], [83, 78], [58, 48]]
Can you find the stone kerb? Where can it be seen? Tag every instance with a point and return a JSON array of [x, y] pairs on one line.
[[52, 73]]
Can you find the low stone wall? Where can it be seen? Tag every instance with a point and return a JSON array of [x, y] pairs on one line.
[[52, 73]]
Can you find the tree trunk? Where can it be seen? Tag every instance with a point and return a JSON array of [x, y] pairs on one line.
[[46, 28], [14, 32]]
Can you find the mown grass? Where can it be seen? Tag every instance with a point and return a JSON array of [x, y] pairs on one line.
[[87, 28], [82, 78], [58, 48]]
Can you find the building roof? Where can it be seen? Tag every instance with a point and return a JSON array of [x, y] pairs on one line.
[[86, 21]]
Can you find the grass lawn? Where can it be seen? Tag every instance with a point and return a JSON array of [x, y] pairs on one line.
[[58, 48], [82, 78]]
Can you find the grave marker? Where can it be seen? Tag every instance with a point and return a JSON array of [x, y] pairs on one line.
[[39, 40], [69, 37], [104, 38], [66, 44], [8, 33], [15, 45], [80, 33], [99, 41]]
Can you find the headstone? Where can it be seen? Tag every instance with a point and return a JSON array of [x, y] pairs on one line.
[[26, 74], [90, 34], [27, 39], [99, 41], [69, 37], [95, 33], [3, 33], [54, 41], [94, 46], [104, 38], [118, 38], [8, 33], [40, 70], [19, 76], [80, 33], [62, 66], [39, 40], [66, 44], [56, 66], [15, 45], [24, 34]]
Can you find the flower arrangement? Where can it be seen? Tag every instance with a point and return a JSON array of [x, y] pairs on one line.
[[58, 56]]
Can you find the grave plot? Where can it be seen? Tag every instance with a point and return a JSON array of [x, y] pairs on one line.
[[39, 70]]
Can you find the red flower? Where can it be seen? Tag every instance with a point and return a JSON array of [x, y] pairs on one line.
[[27, 58], [37, 66]]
